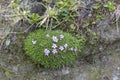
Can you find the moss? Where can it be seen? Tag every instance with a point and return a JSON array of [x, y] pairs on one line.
[[39, 42]]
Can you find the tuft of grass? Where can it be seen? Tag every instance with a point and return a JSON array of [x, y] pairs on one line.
[[39, 46]]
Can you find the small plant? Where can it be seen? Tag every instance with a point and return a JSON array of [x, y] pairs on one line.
[[19, 11], [34, 18], [62, 12], [52, 49], [110, 5]]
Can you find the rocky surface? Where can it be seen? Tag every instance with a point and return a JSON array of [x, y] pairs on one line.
[[108, 32], [102, 58], [14, 65]]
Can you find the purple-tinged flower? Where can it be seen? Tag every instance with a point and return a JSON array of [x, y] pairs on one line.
[[61, 36], [47, 35], [61, 48], [55, 39], [71, 49], [75, 49], [65, 45], [54, 51], [34, 41], [54, 46], [47, 52]]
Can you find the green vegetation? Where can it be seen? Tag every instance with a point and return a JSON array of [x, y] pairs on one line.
[[62, 12], [65, 14], [71, 16], [53, 49], [57, 37], [34, 18], [110, 5]]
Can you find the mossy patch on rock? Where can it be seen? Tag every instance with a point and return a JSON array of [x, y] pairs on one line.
[[52, 49]]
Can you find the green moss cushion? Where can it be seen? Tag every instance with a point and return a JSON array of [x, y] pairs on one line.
[[52, 49]]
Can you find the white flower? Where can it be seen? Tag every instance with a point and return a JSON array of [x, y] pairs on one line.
[[47, 35], [55, 39], [71, 49], [65, 45], [34, 41], [54, 51], [61, 36], [54, 46], [61, 48], [47, 52]]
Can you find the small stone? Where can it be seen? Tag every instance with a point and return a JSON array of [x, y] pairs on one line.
[[105, 78], [65, 71]]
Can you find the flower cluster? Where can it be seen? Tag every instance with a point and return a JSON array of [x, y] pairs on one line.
[[55, 48]]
